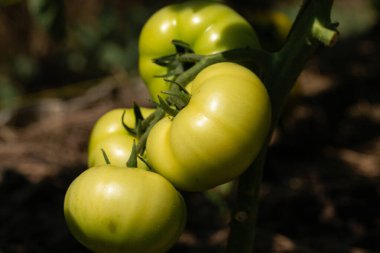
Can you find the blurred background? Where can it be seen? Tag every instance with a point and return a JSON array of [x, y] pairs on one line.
[[65, 63]]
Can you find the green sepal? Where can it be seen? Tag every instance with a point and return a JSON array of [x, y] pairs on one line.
[[132, 161], [137, 111], [139, 118], [179, 99], [174, 63], [165, 61], [130, 130], [178, 95], [180, 86], [175, 69], [182, 47], [166, 107], [106, 159], [145, 162]]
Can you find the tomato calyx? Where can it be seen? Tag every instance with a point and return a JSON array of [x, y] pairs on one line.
[[139, 118], [177, 63], [177, 98], [132, 161]]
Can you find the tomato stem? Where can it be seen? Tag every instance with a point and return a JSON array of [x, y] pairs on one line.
[[255, 59], [132, 161], [311, 29], [148, 123]]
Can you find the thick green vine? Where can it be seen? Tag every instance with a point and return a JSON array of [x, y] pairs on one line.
[[312, 29]]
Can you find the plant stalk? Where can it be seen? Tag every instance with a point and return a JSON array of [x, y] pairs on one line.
[[312, 29]]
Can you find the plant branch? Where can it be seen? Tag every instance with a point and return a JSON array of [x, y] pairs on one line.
[[255, 59], [311, 30]]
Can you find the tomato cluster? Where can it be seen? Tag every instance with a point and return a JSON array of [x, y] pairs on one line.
[[111, 208], [208, 140]]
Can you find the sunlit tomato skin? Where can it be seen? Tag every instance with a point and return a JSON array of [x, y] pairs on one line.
[[208, 27], [110, 135], [217, 135], [118, 147], [121, 210], [111, 122]]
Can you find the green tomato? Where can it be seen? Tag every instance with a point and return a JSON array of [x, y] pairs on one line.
[[217, 135], [208, 27], [118, 148], [110, 135], [111, 122], [120, 210]]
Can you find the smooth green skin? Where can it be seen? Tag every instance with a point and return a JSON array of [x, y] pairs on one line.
[[118, 148], [110, 135], [217, 135], [208, 27], [121, 210]]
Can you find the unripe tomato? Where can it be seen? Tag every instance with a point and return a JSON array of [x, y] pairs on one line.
[[207, 26], [121, 210], [110, 135], [218, 134], [118, 148]]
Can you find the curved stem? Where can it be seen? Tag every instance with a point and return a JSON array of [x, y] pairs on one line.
[[256, 59], [311, 30], [244, 216], [148, 124]]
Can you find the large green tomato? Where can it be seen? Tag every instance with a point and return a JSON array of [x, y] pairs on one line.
[[121, 210], [110, 135], [208, 27], [217, 135]]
